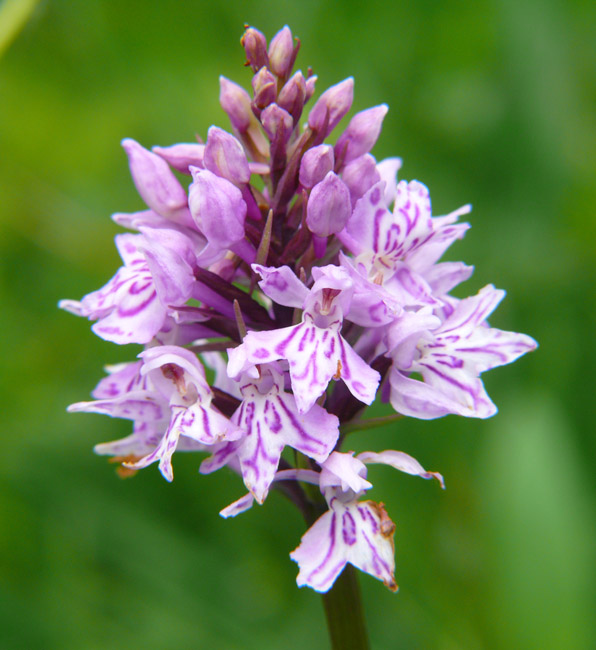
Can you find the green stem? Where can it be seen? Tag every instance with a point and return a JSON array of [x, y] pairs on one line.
[[344, 613], [370, 423]]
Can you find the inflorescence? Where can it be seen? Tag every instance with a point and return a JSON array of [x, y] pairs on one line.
[[306, 279]]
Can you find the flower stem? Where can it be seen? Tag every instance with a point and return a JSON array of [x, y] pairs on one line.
[[370, 423], [344, 613]]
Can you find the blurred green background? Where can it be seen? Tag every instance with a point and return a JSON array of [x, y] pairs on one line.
[[491, 102]]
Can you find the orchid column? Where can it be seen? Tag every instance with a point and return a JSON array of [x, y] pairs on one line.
[[307, 280]]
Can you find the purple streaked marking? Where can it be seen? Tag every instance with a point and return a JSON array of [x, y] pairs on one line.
[[349, 529], [330, 550]]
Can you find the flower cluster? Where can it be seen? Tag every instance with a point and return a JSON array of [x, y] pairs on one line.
[[304, 277]]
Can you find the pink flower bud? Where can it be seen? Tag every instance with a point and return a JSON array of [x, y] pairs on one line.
[[154, 180], [329, 206], [360, 175], [361, 134], [182, 156], [278, 124], [236, 103], [225, 156], [293, 95], [265, 88], [218, 210], [255, 46], [281, 53], [331, 106], [316, 163]]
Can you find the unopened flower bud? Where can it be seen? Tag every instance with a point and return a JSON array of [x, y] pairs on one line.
[[361, 134], [360, 175], [154, 180], [218, 210], [316, 163], [278, 124], [293, 96], [331, 106], [265, 88], [182, 156], [255, 46], [281, 53], [225, 156], [236, 103], [329, 206]]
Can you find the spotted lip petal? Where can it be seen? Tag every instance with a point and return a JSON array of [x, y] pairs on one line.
[[270, 420], [315, 356], [358, 532]]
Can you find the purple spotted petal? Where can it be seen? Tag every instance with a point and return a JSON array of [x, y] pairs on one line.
[[164, 450], [406, 332], [222, 454], [122, 378], [171, 260], [423, 256], [127, 308], [138, 406], [281, 285], [315, 356], [410, 288], [241, 505], [465, 334], [443, 277], [412, 220], [369, 221], [444, 390], [371, 304], [143, 440], [271, 422], [206, 425], [360, 533]]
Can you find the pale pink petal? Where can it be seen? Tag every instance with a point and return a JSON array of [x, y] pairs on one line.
[[401, 461]]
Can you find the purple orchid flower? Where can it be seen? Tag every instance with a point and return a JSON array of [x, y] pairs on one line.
[[270, 420], [134, 304], [315, 350], [450, 356], [289, 262], [358, 532]]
